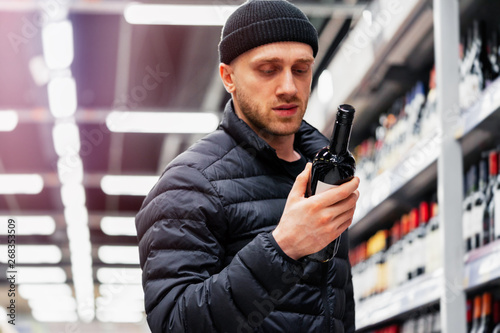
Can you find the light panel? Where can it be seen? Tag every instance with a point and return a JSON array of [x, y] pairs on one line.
[[28, 274], [66, 138], [34, 291], [48, 315], [198, 15], [70, 169], [8, 120], [29, 225], [109, 275], [128, 185], [110, 254], [62, 96], [162, 122], [20, 184], [33, 254], [57, 42], [118, 226]]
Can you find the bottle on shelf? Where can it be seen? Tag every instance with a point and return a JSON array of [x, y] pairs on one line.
[[433, 240], [468, 308], [476, 317], [496, 317], [333, 166], [421, 233], [405, 253], [480, 218], [470, 186], [486, 324], [494, 205]]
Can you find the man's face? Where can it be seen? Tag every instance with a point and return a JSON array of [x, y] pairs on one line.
[[271, 86]]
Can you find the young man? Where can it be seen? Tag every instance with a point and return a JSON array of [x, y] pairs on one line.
[[224, 233]]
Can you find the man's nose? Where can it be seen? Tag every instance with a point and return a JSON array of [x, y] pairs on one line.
[[287, 85]]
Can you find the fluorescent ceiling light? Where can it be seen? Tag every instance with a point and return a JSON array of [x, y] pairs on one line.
[[162, 122], [76, 215], [27, 274], [62, 96], [44, 291], [33, 254], [119, 304], [73, 195], [56, 304], [39, 70], [70, 169], [119, 317], [48, 315], [204, 15], [128, 185], [8, 120], [125, 292], [57, 42], [118, 226], [29, 225], [108, 275], [66, 139], [110, 254], [20, 184]]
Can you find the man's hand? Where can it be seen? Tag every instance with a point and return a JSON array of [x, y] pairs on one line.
[[309, 224]]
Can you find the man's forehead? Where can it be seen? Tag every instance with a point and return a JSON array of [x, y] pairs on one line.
[[280, 52]]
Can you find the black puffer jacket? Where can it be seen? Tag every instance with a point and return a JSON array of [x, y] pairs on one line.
[[210, 263]]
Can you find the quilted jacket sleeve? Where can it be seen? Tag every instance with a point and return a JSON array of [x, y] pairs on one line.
[[349, 314], [181, 229]]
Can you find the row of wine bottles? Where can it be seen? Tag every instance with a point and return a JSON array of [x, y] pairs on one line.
[[413, 116], [481, 206], [479, 60], [391, 257], [424, 323], [483, 313], [483, 316], [410, 119]]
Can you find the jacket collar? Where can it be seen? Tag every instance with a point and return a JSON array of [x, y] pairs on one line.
[[308, 140]]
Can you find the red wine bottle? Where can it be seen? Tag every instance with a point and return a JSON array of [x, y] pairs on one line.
[[333, 166]]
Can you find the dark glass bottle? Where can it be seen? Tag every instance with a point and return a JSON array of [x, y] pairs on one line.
[[333, 166], [486, 316]]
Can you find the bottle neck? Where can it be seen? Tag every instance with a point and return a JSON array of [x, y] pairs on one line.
[[339, 141]]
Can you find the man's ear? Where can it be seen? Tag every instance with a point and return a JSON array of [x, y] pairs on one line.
[[226, 74]]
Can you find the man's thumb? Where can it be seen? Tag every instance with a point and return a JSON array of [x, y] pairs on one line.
[[300, 186]]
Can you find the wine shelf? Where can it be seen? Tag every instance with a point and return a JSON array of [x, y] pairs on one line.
[[486, 105], [375, 198], [482, 265], [416, 293]]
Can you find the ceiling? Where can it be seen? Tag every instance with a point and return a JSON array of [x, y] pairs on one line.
[[111, 60]]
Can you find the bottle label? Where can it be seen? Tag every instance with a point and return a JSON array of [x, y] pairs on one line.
[[322, 187]]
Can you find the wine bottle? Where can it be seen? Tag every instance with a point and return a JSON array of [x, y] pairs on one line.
[[468, 307], [486, 320], [476, 319], [421, 234], [332, 166], [496, 317]]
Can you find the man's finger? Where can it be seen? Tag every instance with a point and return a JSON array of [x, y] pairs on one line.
[[300, 186], [339, 193]]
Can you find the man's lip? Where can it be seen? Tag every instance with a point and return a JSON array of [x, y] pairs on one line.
[[285, 107]]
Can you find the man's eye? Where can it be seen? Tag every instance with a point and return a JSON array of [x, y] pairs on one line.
[[301, 70], [268, 70]]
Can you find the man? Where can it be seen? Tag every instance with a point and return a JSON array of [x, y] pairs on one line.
[[224, 234]]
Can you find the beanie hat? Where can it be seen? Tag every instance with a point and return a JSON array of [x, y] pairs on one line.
[[259, 22]]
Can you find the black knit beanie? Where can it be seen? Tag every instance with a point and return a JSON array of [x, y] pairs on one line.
[[259, 22]]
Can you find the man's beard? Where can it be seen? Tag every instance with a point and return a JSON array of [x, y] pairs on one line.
[[251, 112]]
